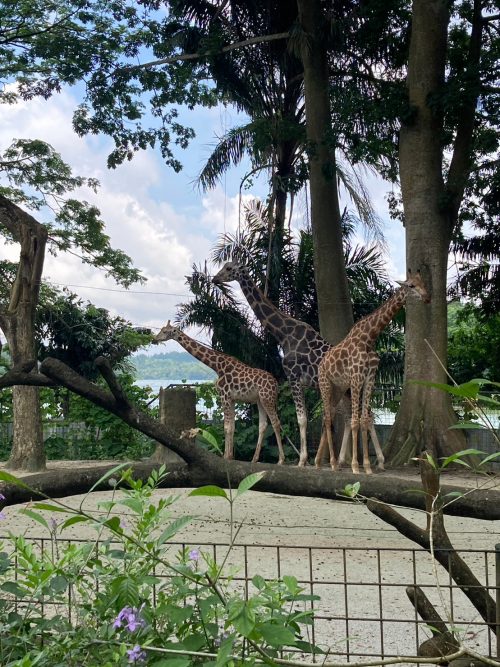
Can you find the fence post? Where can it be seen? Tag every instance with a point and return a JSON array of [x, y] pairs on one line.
[[178, 410], [497, 594]]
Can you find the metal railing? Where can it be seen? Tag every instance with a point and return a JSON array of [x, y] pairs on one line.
[[363, 610]]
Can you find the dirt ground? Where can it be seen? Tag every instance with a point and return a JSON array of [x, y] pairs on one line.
[[326, 544]]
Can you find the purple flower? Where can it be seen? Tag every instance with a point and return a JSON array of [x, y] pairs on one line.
[[130, 618], [53, 524], [136, 654], [2, 497], [194, 554]]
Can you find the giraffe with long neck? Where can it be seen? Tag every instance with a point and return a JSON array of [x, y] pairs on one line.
[[352, 365], [236, 382], [303, 347]]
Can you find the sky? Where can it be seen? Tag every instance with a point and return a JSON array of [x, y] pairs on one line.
[[159, 218]]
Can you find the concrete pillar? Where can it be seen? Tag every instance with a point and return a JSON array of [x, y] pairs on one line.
[[178, 411]]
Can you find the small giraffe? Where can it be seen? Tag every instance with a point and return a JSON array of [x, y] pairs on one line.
[[236, 382], [352, 364], [303, 347]]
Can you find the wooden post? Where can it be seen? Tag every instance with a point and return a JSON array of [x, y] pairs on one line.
[[178, 410]]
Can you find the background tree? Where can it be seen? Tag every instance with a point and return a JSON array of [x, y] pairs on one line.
[[453, 59]]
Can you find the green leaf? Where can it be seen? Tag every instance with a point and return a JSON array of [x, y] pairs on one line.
[[59, 583], [277, 635], [249, 481], [113, 524], [133, 503], [489, 458], [456, 458], [224, 652], [72, 520], [36, 517], [52, 508], [12, 479], [351, 490], [107, 475], [259, 582], [210, 491], [242, 617], [172, 662], [14, 588], [306, 647], [453, 494], [467, 425], [210, 439], [174, 528]]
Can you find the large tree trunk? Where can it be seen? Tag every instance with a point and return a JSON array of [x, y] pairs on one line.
[[425, 414], [27, 439], [18, 324], [334, 302]]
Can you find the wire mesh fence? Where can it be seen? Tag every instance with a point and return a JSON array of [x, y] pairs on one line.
[[363, 610]]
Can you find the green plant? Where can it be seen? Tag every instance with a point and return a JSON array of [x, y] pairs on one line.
[[135, 599]]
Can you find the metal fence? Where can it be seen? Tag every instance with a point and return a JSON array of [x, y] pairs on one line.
[[363, 610]]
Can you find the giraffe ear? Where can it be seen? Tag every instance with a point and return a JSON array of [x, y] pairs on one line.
[[168, 323]]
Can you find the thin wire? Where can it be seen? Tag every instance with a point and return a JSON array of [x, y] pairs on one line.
[[125, 291]]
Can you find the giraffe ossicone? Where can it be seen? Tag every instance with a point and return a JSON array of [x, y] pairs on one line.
[[236, 382]]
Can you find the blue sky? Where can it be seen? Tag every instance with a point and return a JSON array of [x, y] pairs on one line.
[[156, 216]]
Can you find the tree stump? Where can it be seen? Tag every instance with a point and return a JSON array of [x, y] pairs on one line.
[[178, 411]]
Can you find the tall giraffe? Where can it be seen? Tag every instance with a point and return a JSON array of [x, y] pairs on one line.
[[303, 347], [236, 382], [353, 363]]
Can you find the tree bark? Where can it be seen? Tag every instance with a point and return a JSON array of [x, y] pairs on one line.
[[18, 324], [334, 302], [425, 415], [202, 467]]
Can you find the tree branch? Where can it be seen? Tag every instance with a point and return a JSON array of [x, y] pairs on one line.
[[116, 389], [194, 56]]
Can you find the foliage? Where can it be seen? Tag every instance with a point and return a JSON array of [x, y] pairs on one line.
[[87, 431], [77, 333], [473, 343], [137, 597]]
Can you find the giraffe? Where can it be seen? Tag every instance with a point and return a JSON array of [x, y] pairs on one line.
[[303, 347], [236, 382], [352, 364]]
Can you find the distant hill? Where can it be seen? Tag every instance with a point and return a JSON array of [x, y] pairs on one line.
[[171, 366]]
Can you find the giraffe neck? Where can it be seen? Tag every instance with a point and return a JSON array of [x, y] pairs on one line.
[[214, 360], [376, 322], [264, 308]]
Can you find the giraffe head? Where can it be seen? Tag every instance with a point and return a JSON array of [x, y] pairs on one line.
[[415, 285], [168, 332], [229, 272]]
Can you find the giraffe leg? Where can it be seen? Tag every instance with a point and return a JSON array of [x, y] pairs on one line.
[[228, 410], [321, 447], [300, 407], [355, 395], [376, 444], [325, 388], [368, 386], [270, 408], [262, 429], [346, 409]]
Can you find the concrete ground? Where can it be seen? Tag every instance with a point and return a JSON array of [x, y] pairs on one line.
[[339, 551]]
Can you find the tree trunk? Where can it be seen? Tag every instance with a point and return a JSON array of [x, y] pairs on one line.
[[334, 302], [27, 440], [18, 324], [425, 414]]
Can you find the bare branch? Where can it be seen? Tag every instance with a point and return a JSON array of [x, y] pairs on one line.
[[194, 56]]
